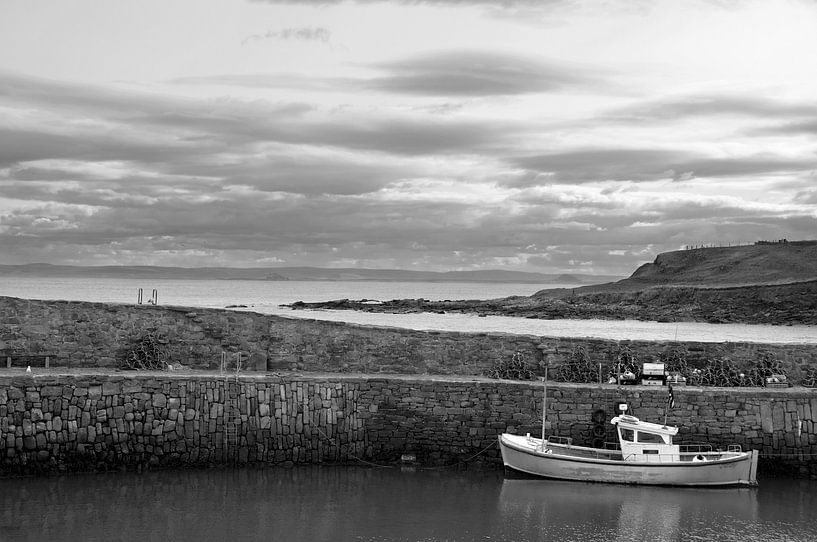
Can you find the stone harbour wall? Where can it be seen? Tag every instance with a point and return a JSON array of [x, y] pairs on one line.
[[83, 334], [53, 421]]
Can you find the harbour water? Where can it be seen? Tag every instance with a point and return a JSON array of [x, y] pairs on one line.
[[267, 297], [324, 503]]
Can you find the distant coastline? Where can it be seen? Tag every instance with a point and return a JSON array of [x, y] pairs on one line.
[[297, 273]]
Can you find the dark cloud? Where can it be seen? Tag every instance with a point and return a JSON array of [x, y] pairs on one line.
[[708, 106], [477, 73], [303, 174], [807, 197], [204, 127], [804, 127], [463, 73], [620, 164], [27, 145]]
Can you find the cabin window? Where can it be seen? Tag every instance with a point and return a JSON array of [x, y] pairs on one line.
[[627, 434], [650, 438]]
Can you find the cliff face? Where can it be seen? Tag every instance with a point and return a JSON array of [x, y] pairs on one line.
[[744, 265]]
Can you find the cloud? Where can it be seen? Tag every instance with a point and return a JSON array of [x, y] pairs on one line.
[[446, 73], [118, 175], [477, 73], [455, 3], [806, 126], [711, 105], [316, 33], [624, 164]]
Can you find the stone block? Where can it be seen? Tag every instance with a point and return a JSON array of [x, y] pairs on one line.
[[111, 388], [51, 391]]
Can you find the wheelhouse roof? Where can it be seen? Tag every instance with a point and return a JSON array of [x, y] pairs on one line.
[[631, 422]]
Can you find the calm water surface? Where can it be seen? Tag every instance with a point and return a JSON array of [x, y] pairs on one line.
[[267, 296], [367, 504]]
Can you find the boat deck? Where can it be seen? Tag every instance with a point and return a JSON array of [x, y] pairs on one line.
[[688, 453]]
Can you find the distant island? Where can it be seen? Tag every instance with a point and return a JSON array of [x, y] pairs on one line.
[[295, 273], [764, 283]]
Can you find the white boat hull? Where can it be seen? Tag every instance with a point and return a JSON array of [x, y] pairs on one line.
[[565, 462]]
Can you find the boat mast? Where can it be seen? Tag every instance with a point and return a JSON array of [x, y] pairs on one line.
[[544, 403]]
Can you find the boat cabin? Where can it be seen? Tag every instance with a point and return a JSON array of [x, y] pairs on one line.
[[645, 441]]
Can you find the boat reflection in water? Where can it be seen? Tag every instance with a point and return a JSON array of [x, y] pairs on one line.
[[563, 510]]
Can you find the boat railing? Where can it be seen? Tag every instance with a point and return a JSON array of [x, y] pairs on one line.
[[695, 448], [564, 441], [734, 448]]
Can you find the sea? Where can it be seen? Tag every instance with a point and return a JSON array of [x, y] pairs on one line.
[[385, 503], [268, 297]]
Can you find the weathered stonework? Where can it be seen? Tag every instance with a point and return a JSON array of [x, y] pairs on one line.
[[54, 422]]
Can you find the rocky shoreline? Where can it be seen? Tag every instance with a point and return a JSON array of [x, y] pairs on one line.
[[777, 304]]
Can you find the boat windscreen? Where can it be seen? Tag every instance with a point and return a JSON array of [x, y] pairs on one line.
[[650, 438]]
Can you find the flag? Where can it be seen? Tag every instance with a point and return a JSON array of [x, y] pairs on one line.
[[671, 398]]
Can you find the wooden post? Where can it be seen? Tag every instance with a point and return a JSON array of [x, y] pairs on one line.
[[8, 362], [47, 362]]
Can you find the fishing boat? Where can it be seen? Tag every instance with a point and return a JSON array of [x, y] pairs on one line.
[[644, 454]]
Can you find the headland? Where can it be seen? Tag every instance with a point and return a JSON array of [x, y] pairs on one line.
[[765, 283]]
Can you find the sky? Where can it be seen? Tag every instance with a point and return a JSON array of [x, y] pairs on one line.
[[553, 136]]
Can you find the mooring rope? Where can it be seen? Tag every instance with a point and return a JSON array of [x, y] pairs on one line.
[[394, 466]]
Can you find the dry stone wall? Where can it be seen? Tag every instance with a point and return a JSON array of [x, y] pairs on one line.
[[65, 422], [81, 334]]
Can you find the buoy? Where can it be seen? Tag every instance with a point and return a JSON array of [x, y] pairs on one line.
[[28, 369]]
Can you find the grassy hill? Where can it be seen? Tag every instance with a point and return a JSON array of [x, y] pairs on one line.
[[764, 283], [745, 265]]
